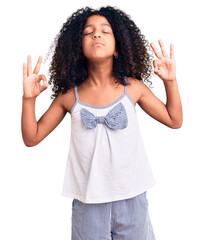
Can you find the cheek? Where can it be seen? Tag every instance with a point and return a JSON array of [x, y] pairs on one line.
[[112, 41], [113, 45], [83, 46]]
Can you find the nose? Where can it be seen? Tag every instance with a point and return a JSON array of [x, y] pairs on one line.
[[96, 36]]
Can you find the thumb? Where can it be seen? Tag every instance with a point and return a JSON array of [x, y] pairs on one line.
[[156, 64], [43, 83], [43, 87]]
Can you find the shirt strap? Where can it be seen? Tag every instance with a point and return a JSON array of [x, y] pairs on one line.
[[76, 93], [126, 83]]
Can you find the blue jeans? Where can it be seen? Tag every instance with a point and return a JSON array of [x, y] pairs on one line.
[[126, 219]]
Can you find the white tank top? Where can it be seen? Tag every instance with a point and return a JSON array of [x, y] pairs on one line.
[[106, 160]]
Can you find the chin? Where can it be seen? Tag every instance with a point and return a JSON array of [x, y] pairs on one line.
[[98, 58]]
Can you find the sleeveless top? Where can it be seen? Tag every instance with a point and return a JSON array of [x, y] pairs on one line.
[[106, 160]]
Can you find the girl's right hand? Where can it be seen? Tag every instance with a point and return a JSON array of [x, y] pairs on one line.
[[32, 86]]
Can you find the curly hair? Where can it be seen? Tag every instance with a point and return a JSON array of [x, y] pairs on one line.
[[68, 65]]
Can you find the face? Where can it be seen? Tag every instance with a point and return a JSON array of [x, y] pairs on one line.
[[98, 39]]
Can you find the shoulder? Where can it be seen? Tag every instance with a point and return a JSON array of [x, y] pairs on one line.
[[136, 88], [134, 82], [66, 100]]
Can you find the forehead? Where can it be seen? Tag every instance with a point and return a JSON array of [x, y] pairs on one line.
[[96, 19]]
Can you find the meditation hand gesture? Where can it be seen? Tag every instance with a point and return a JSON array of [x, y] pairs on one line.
[[32, 86], [165, 66]]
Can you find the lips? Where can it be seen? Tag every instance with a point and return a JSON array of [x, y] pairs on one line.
[[97, 44]]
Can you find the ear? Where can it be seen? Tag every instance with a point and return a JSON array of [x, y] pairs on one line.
[[115, 54]]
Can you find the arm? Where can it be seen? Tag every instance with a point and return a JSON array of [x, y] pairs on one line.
[[34, 132], [170, 113]]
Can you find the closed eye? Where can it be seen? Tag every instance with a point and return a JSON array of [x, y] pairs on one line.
[[88, 33], [92, 32]]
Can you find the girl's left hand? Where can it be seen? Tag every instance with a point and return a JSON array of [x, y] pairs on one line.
[[165, 66]]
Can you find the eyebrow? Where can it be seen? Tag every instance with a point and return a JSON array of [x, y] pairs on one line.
[[103, 24]]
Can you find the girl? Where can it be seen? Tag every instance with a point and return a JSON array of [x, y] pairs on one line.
[[97, 73]]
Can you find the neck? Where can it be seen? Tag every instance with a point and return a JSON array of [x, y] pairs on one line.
[[100, 74]]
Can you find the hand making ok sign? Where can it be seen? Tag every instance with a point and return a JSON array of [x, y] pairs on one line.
[[164, 66], [32, 86]]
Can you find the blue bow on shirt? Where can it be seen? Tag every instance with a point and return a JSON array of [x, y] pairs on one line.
[[116, 118]]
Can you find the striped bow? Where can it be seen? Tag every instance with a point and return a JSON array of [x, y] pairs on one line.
[[116, 118]]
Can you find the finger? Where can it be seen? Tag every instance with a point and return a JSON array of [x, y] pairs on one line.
[[172, 51], [163, 48], [157, 64], [157, 53], [43, 78], [43, 87], [29, 65], [24, 71], [45, 84], [37, 67]]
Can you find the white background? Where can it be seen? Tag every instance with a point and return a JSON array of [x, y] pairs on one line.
[[31, 205]]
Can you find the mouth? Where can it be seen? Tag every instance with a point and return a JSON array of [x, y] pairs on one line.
[[97, 44]]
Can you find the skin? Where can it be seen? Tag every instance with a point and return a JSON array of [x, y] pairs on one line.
[[99, 89], [99, 57]]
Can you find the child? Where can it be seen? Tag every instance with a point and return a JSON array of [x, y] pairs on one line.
[[98, 70]]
